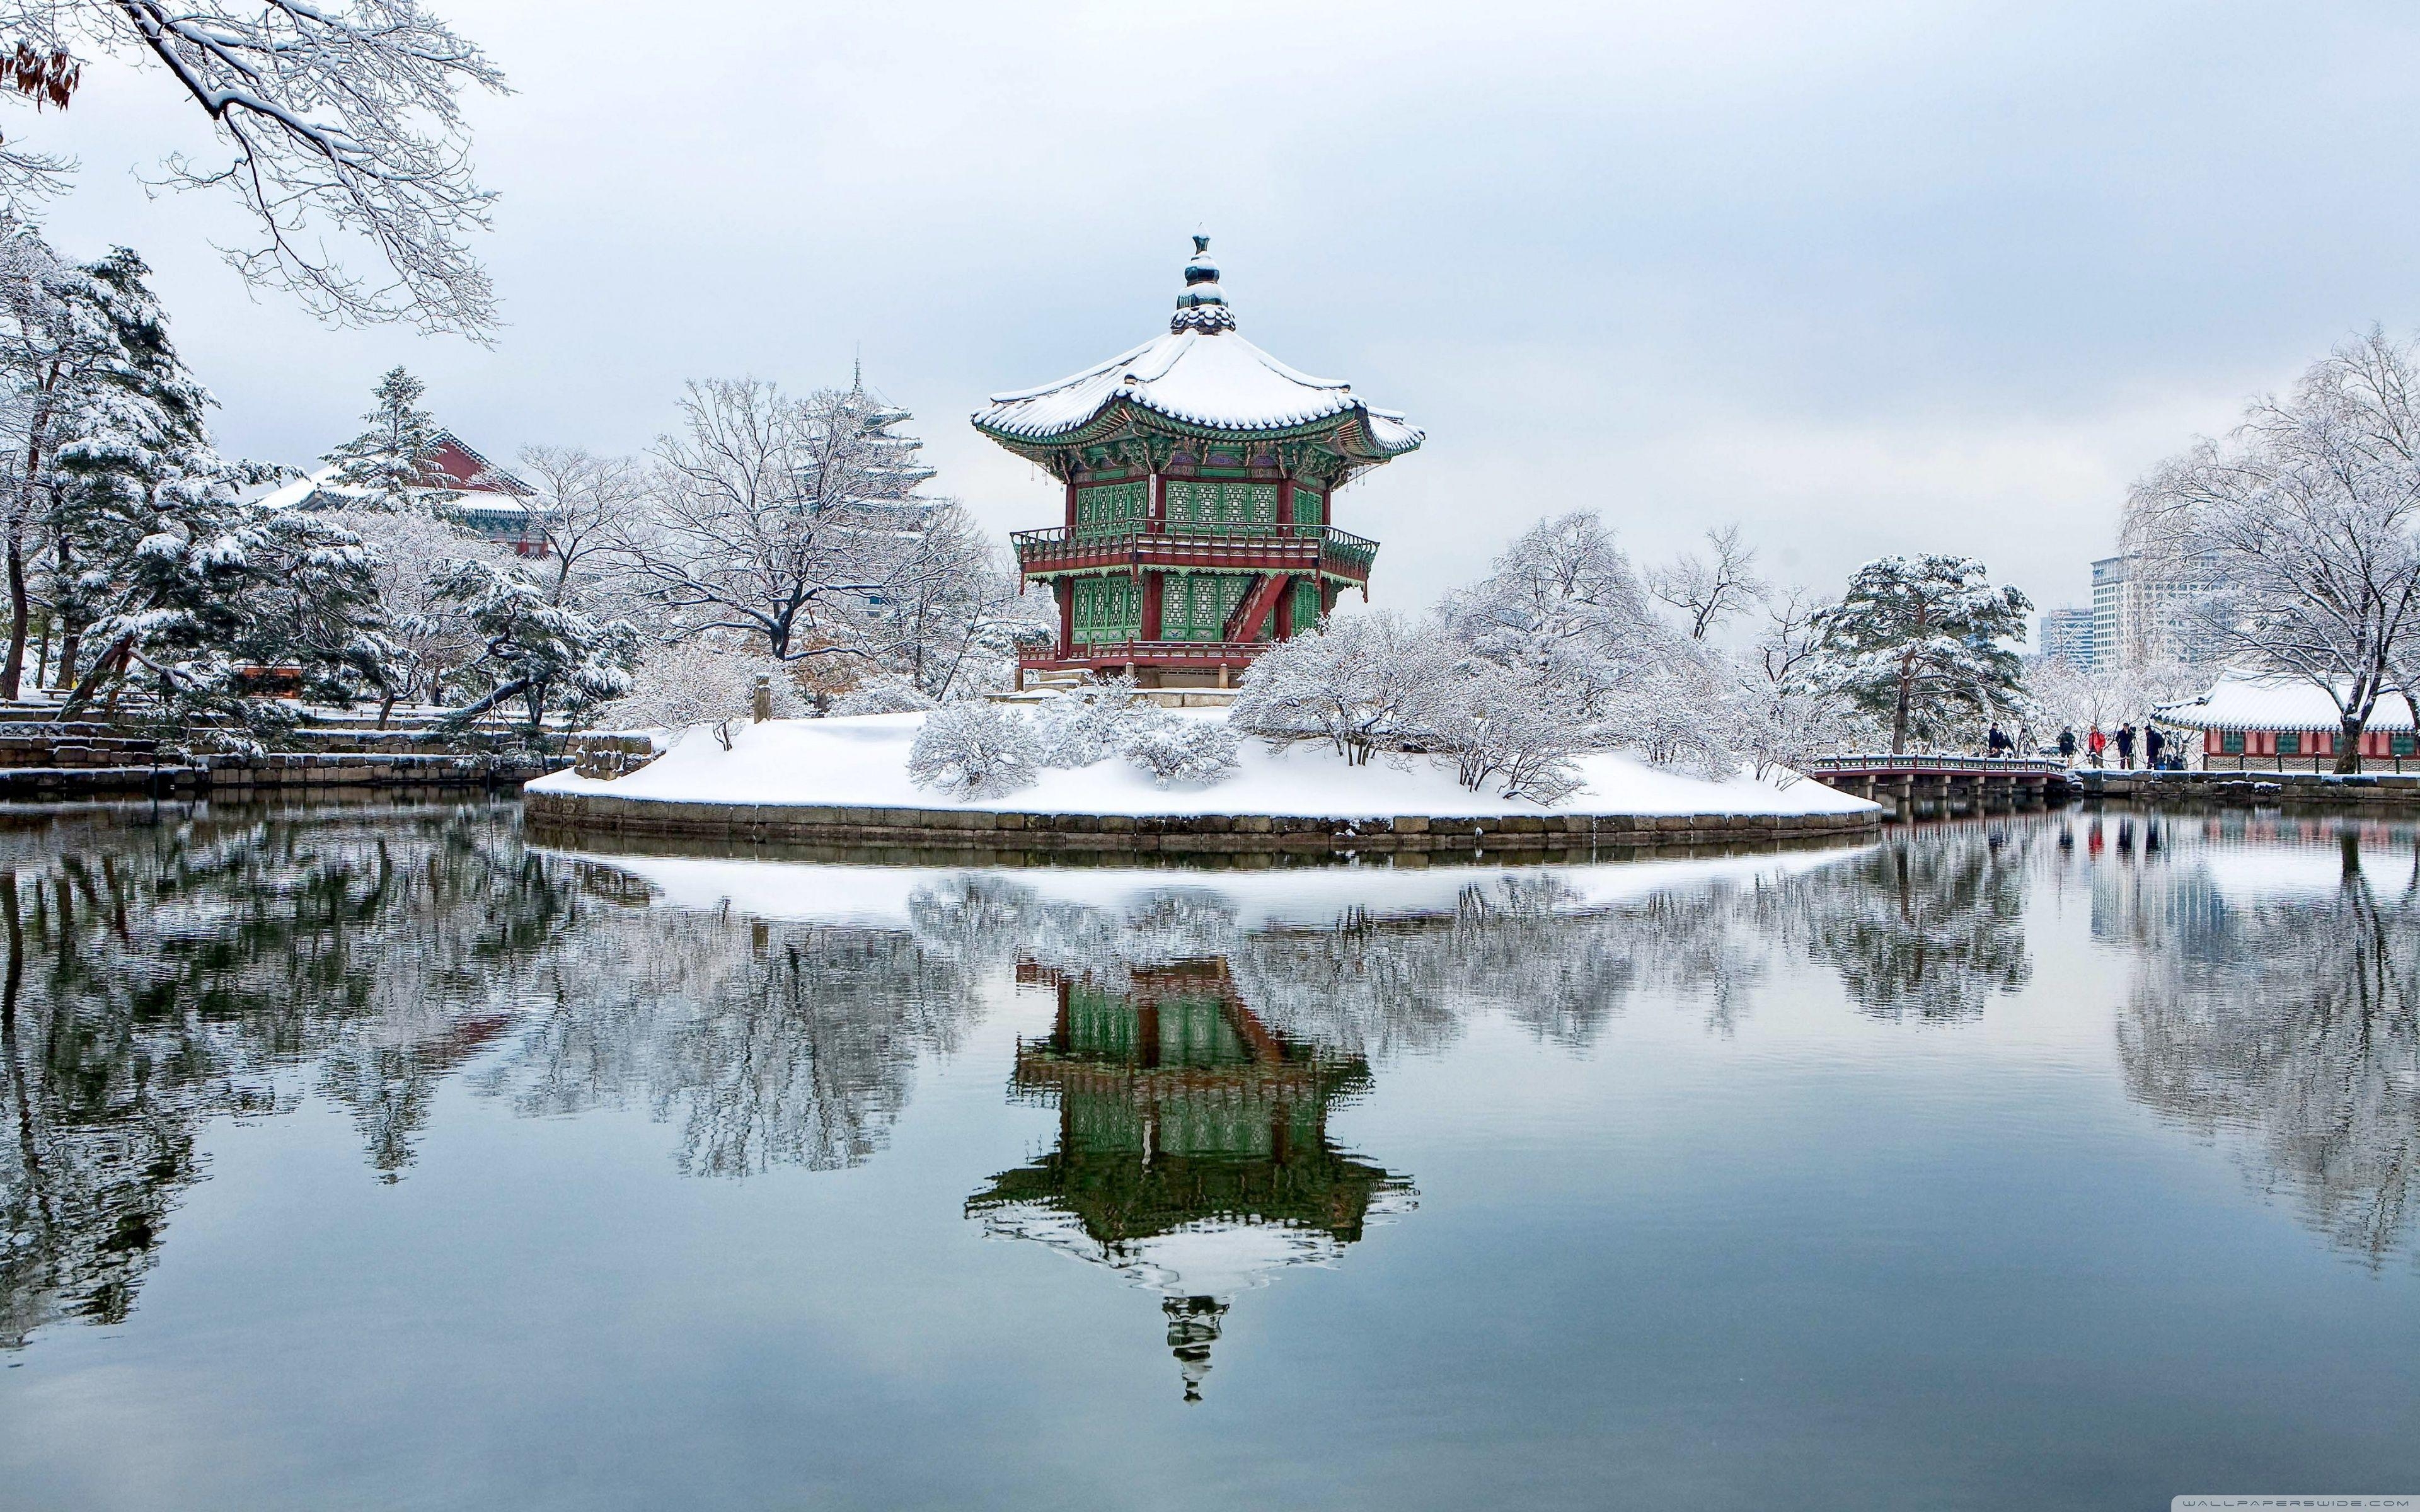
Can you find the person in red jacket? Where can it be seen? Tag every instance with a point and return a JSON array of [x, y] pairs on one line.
[[2096, 743]]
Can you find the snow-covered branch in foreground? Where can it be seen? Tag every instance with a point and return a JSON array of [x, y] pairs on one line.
[[2296, 534], [342, 118]]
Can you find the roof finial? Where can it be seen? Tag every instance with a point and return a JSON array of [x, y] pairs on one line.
[[1203, 306], [857, 372]]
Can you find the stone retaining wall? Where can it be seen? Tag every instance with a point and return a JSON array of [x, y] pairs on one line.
[[607, 757], [277, 772], [987, 830], [2380, 792]]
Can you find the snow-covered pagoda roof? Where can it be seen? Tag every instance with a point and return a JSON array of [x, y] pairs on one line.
[[1200, 379], [2246, 701]]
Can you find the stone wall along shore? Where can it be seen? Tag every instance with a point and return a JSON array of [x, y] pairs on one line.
[[579, 814], [2380, 792], [290, 772]]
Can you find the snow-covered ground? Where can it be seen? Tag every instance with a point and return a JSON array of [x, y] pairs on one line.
[[862, 761]]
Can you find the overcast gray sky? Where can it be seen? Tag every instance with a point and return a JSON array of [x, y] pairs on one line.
[[1866, 278]]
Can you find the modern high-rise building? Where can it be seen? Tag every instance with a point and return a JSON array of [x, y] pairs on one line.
[[2066, 634], [2138, 614]]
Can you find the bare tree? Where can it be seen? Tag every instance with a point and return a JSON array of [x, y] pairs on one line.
[[953, 615], [1787, 648], [775, 517], [582, 513], [336, 119], [2295, 535], [1709, 590]]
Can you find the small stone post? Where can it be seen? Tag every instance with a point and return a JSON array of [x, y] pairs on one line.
[[762, 704]]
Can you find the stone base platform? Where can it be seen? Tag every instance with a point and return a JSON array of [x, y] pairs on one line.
[[1011, 836]]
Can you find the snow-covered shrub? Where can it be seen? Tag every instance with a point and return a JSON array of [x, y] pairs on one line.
[[1091, 724], [886, 693], [1494, 724], [1361, 682], [976, 750], [684, 683], [1175, 749]]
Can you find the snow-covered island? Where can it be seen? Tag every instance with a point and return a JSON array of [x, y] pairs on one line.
[[846, 779]]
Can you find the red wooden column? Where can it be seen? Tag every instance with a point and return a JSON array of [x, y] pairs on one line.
[[1285, 506], [1065, 591], [1154, 522], [1071, 503]]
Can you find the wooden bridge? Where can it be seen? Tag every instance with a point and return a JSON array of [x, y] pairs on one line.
[[1945, 783]]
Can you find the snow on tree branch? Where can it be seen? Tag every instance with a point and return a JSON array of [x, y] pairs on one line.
[[343, 120]]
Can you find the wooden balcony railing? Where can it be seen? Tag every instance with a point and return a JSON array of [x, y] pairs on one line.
[[1281, 548], [1150, 654]]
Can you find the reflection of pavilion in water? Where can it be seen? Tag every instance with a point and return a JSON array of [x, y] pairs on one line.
[[1193, 1153]]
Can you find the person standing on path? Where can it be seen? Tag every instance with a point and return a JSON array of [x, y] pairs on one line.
[[2067, 743], [2125, 748], [2153, 743], [2096, 743]]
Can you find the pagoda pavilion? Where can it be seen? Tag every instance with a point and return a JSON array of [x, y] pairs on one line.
[[1193, 1153], [1200, 475]]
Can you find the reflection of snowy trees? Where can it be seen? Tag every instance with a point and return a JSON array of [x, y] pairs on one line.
[[2295, 1022], [768, 1045], [1927, 925], [159, 975]]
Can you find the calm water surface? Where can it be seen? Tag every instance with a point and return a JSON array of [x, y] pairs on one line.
[[375, 1158]]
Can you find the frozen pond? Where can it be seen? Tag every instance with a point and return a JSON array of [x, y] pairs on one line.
[[367, 1157]]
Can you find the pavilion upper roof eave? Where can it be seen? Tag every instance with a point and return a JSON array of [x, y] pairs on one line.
[[1352, 436]]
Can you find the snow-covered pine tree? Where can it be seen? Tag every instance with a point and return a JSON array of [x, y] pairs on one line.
[[179, 583], [390, 464], [1923, 644], [536, 653], [431, 638]]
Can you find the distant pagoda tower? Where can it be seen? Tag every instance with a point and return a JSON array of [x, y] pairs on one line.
[[888, 468], [1199, 471], [1193, 1155]]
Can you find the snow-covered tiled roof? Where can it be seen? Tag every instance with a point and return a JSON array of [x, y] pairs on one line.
[[1216, 380], [2245, 701], [1203, 373]]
